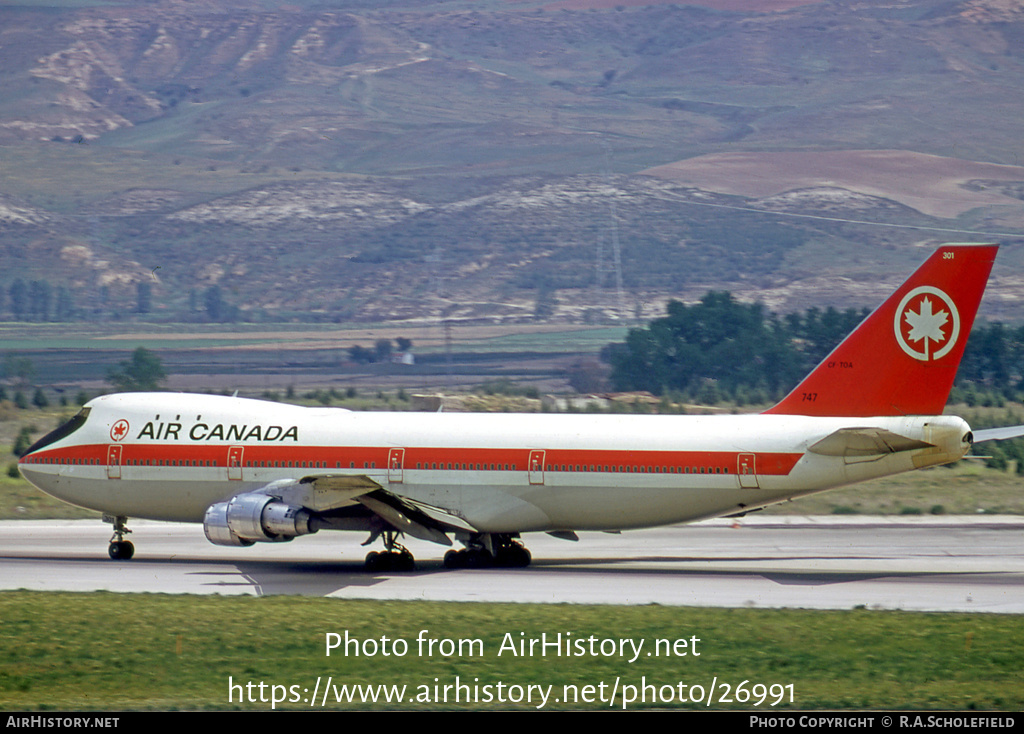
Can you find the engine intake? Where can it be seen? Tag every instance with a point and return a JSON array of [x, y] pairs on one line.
[[254, 518]]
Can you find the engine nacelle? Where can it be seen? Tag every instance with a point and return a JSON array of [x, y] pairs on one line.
[[251, 518]]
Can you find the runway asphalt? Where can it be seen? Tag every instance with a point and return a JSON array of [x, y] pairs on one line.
[[973, 564]]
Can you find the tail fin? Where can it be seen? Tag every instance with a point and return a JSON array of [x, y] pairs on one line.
[[902, 359]]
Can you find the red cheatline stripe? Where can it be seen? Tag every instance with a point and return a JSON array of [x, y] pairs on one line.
[[364, 457]]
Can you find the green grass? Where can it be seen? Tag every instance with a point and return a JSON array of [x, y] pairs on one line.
[[19, 500], [968, 488], [128, 335], [130, 652]]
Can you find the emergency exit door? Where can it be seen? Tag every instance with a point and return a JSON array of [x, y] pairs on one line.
[[235, 462], [747, 469], [536, 466], [114, 461], [396, 465]]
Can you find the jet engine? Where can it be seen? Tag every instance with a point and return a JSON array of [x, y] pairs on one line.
[[250, 518]]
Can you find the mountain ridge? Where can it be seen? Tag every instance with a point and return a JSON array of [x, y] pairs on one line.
[[424, 159]]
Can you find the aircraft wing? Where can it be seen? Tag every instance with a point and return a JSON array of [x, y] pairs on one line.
[[288, 508], [322, 493], [325, 492], [998, 434]]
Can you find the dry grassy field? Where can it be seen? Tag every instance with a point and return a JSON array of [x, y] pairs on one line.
[[931, 184], [756, 6]]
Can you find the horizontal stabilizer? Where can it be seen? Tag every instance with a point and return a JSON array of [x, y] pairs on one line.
[[998, 434], [865, 442]]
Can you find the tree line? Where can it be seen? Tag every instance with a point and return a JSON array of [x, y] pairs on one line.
[[722, 349], [40, 301]]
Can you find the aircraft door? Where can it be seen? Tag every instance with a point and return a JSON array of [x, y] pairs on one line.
[[235, 462], [114, 461], [747, 469], [536, 465], [396, 463]]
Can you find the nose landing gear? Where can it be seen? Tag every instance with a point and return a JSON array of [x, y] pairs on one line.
[[119, 549]]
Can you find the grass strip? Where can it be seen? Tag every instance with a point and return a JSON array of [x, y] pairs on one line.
[[102, 651]]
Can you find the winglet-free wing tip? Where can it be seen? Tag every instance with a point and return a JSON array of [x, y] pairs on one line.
[[998, 434]]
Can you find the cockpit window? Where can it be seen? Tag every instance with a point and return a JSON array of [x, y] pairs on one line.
[[65, 430]]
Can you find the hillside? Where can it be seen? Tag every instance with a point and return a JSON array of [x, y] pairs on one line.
[[418, 160]]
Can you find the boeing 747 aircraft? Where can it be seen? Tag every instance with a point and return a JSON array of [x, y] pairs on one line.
[[252, 471]]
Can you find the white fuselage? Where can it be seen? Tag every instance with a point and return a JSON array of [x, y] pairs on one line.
[[170, 456]]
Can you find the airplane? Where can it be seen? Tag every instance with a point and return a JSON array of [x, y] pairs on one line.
[[255, 471]]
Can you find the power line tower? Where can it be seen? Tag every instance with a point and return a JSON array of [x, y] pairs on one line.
[[448, 351], [613, 230]]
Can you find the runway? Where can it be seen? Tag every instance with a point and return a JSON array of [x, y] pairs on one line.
[[919, 563]]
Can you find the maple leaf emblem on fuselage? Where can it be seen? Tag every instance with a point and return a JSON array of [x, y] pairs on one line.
[[119, 430], [927, 323]]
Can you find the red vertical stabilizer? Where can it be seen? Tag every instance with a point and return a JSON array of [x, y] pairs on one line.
[[902, 359]]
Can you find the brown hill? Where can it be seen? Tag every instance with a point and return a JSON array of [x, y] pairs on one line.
[[420, 159], [935, 185]]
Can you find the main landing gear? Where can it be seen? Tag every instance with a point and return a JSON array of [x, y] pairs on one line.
[[120, 549], [483, 550], [489, 550], [396, 557]]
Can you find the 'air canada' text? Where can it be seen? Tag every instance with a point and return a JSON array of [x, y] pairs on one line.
[[160, 431]]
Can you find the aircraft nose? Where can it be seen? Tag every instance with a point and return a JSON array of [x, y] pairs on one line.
[[25, 467], [34, 475]]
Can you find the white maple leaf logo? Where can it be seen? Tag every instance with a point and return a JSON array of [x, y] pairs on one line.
[[930, 321], [926, 325]]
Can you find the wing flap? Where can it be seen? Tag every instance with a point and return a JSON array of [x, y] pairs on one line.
[[330, 491], [442, 516], [401, 519], [322, 493]]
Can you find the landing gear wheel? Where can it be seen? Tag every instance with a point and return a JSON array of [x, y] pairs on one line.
[[478, 558], [513, 555], [508, 553], [399, 559], [372, 562], [404, 561], [454, 559], [121, 550]]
